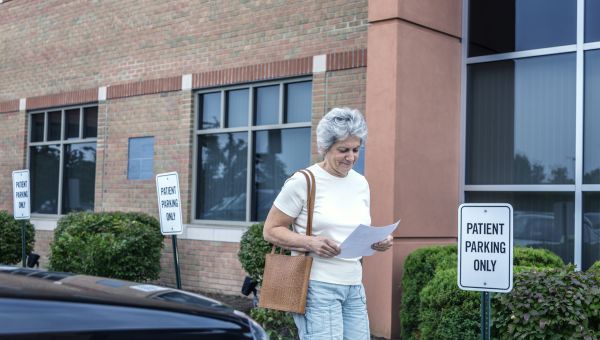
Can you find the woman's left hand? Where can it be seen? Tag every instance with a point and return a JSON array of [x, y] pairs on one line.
[[384, 244]]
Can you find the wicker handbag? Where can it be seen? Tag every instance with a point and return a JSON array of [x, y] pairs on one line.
[[285, 279]]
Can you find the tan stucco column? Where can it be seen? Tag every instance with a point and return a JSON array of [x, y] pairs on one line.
[[412, 154]]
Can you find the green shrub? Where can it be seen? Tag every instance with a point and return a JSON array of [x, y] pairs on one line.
[[595, 266], [419, 268], [536, 258], [10, 238], [278, 325], [550, 303], [253, 249], [118, 245], [446, 311]]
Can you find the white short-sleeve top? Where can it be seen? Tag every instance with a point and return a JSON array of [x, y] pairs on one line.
[[341, 204]]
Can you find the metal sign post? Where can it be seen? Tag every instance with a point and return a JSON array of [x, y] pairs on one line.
[[485, 253], [169, 210], [21, 204]]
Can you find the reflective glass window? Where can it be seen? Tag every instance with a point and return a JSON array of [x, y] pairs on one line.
[[278, 154], [591, 229], [521, 121], [210, 111], [517, 25], [267, 105], [591, 145], [90, 122], [54, 119], [541, 220], [37, 127], [592, 20], [79, 177], [44, 165], [298, 102], [72, 124], [237, 108], [140, 163], [221, 180]]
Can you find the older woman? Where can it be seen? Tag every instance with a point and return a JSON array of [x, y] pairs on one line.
[[336, 302]]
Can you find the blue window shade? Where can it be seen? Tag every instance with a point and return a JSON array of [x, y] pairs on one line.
[[141, 158], [359, 166]]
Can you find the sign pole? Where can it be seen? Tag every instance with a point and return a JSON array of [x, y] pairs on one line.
[[23, 244], [169, 211], [176, 259], [485, 316]]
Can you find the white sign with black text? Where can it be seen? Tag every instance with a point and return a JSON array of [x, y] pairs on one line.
[[21, 195], [169, 203], [485, 247]]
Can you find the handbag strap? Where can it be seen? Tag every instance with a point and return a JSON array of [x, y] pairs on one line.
[[311, 187]]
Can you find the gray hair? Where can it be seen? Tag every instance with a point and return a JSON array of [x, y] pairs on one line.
[[339, 124]]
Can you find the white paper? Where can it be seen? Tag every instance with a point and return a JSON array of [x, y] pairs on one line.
[[360, 241]]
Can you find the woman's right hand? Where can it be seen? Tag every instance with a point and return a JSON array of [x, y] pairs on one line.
[[323, 246]]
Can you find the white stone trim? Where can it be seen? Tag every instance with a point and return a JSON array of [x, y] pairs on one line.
[[22, 101], [102, 93], [186, 82], [319, 63], [190, 231]]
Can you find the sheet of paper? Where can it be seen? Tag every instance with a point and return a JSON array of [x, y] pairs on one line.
[[360, 241]]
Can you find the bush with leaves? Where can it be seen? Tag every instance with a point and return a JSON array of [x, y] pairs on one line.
[[595, 266], [448, 312], [253, 249], [118, 245], [11, 248], [550, 304], [278, 325], [419, 269]]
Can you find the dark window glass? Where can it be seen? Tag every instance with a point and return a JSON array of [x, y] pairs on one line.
[[141, 158], [592, 20], [267, 105], [54, 119], [507, 26], [221, 180], [44, 164], [79, 177], [521, 121], [90, 122], [591, 229], [237, 108], [298, 104], [591, 145], [72, 124], [277, 155], [541, 220], [210, 111], [37, 127]]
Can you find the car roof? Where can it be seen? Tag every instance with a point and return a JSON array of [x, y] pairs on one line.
[[26, 283]]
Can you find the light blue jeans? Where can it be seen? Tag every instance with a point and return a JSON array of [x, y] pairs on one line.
[[334, 312]]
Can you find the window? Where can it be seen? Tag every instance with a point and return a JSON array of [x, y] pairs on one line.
[[140, 163], [62, 159], [532, 118], [249, 140]]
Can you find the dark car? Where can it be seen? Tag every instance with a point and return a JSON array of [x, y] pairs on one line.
[[37, 304]]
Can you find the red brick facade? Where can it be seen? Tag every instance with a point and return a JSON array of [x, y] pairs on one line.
[[62, 53]]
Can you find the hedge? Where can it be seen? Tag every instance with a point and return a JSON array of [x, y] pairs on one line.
[[118, 245], [429, 305], [11, 248]]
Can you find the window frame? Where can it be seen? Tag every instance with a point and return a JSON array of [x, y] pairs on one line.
[[578, 189], [249, 129], [61, 142]]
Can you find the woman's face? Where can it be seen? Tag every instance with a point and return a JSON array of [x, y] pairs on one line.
[[342, 155]]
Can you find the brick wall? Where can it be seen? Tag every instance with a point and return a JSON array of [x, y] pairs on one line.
[[168, 118], [43, 239], [52, 46], [12, 153]]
